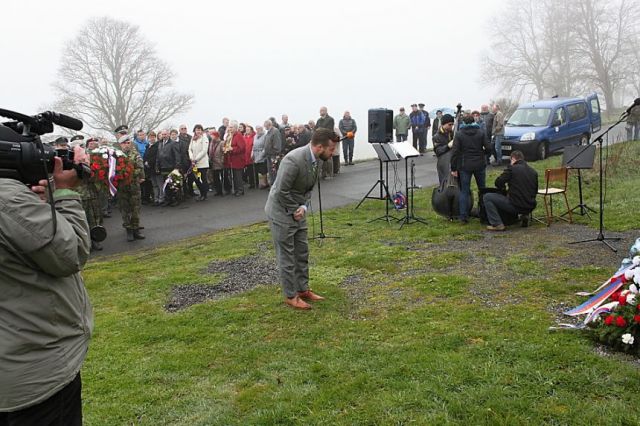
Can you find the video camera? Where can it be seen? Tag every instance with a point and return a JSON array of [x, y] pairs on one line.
[[24, 157]]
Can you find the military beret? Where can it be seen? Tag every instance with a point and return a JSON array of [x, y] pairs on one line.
[[61, 141], [76, 137], [122, 129], [421, 105]]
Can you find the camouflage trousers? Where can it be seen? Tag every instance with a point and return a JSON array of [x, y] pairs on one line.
[[130, 203], [92, 207]]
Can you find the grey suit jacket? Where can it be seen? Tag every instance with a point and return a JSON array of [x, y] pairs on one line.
[[292, 187]]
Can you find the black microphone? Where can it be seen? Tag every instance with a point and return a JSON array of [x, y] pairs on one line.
[[635, 103], [63, 120]]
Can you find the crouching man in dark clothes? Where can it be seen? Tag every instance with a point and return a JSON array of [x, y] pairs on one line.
[[522, 189]]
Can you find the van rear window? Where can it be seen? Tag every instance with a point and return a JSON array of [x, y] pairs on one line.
[[577, 111]]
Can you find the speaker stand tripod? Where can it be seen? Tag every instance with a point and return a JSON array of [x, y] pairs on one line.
[[386, 154]]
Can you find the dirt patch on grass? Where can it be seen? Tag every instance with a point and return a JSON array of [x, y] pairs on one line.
[[238, 275], [496, 263]]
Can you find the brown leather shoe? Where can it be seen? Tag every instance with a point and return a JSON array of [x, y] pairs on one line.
[[297, 303], [496, 228], [309, 295]]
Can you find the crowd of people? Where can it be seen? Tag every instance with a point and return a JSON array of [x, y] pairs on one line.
[[218, 161], [172, 165]]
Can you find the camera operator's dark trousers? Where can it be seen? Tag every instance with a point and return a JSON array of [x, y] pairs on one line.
[[495, 203], [62, 409]]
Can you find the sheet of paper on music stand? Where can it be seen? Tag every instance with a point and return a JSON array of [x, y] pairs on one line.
[[385, 152], [405, 149]]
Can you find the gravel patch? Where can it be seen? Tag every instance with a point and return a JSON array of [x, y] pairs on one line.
[[239, 275], [496, 263]]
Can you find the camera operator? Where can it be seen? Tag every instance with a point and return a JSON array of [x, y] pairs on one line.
[[45, 309]]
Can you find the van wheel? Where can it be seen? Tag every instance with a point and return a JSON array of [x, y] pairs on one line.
[[584, 139], [542, 150]]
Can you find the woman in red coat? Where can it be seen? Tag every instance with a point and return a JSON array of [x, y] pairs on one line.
[[236, 153], [249, 169]]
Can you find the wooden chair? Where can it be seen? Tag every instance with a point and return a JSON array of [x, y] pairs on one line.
[[559, 177]]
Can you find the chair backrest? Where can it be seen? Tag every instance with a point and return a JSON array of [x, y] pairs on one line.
[[557, 175]]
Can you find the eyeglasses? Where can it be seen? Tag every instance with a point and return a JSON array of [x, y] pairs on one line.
[[125, 142]]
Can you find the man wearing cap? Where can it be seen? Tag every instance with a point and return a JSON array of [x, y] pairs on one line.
[[141, 144], [420, 124], [286, 210], [417, 126], [120, 131], [442, 143], [129, 192], [401, 124]]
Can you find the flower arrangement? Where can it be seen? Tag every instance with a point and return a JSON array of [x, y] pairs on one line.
[[173, 181], [618, 322], [110, 167]]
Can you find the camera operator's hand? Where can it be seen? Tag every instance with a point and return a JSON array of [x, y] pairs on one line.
[[62, 179]]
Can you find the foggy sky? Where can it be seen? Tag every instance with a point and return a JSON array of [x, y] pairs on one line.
[[249, 60]]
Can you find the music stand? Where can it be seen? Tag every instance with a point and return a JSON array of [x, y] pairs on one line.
[[578, 157], [406, 150], [385, 155], [600, 140]]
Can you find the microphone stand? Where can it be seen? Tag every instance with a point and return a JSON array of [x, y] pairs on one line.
[[321, 236], [600, 237]]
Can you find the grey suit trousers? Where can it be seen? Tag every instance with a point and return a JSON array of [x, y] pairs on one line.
[[292, 253]]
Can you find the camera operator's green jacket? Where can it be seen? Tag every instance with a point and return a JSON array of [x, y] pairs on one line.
[[45, 314]]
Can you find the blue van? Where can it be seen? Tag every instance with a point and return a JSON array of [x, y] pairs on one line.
[[548, 125]]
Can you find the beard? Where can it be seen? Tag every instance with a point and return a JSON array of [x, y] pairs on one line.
[[324, 156]]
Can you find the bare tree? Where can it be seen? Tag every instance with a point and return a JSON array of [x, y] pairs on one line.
[[112, 76], [605, 32], [564, 48], [507, 105], [565, 76], [519, 59]]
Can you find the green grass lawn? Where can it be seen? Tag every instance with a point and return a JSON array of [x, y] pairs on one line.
[[417, 329]]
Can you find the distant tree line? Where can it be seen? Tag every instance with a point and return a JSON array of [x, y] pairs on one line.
[[542, 48]]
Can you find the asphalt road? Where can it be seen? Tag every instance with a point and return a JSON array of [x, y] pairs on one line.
[[164, 225], [167, 224]]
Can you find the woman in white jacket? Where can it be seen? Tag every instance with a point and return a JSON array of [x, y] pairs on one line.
[[198, 154]]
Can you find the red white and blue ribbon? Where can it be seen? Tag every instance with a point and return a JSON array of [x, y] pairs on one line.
[[587, 307], [112, 171]]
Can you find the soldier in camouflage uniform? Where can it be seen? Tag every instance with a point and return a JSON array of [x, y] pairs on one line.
[[90, 194], [129, 199]]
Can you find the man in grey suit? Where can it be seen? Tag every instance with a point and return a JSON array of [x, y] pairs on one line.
[[286, 210]]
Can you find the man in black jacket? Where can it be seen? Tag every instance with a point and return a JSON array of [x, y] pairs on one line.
[[168, 158], [521, 194], [470, 146], [184, 139]]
